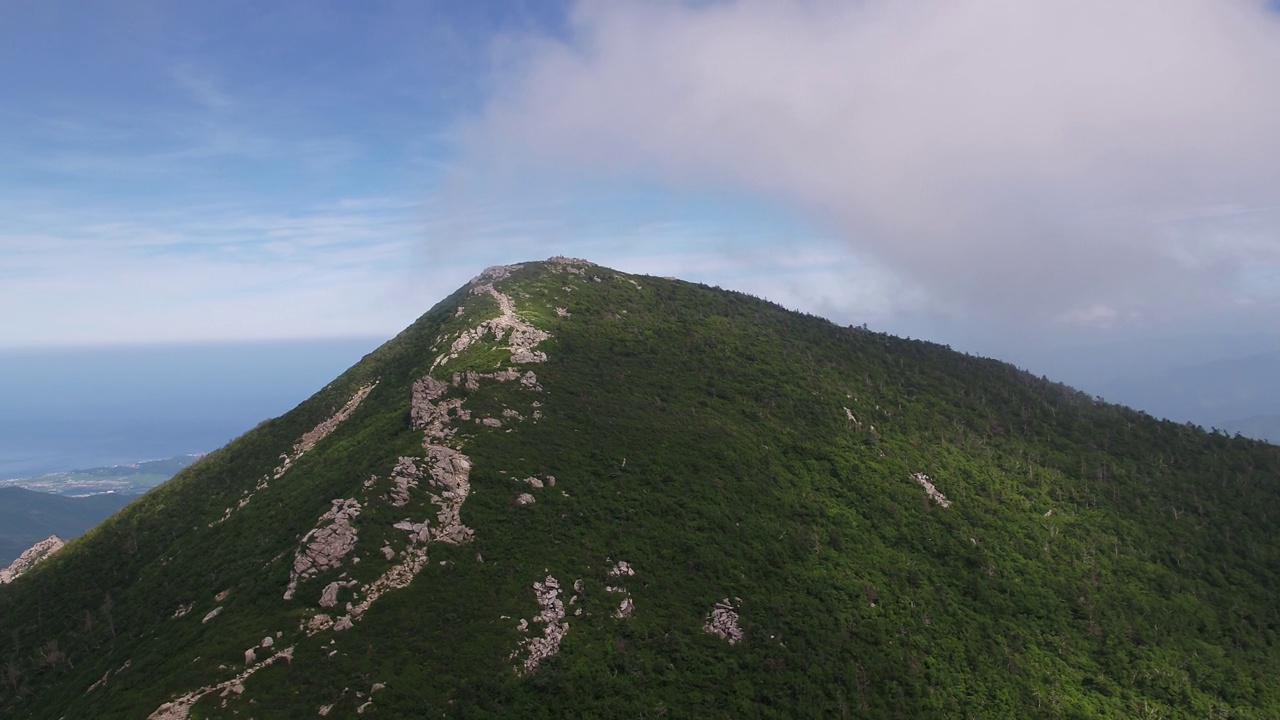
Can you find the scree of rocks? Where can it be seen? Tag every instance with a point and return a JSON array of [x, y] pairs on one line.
[[551, 617], [180, 708], [933, 493], [722, 621]]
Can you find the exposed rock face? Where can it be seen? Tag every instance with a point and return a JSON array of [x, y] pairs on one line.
[[442, 474], [723, 621], [423, 411], [324, 547], [523, 337], [30, 558], [554, 628], [404, 476], [927, 484], [625, 609], [493, 274], [450, 471], [329, 596], [573, 266], [444, 466]]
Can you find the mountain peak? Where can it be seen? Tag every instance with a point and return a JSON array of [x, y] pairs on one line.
[[568, 490]]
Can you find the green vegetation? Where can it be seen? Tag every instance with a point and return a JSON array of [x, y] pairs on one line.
[[1094, 562]]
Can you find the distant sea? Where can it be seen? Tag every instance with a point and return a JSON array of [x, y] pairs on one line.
[[77, 408]]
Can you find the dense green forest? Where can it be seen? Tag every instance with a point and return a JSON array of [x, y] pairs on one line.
[[891, 529]]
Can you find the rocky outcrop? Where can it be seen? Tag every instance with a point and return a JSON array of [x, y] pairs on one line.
[[180, 708], [329, 596], [324, 547], [926, 482], [625, 609], [538, 483], [404, 475], [722, 621], [443, 472], [522, 337], [30, 558], [621, 569], [412, 560], [573, 266], [426, 411], [450, 472], [551, 617]]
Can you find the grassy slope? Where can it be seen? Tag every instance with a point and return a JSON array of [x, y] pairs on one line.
[[1095, 562]]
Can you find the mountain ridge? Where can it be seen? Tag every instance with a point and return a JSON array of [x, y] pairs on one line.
[[569, 491]]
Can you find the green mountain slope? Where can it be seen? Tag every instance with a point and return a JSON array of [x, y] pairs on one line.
[[570, 492]]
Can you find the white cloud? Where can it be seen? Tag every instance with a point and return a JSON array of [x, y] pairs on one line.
[[213, 273], [1020, 160], [1096, 315], [201, 87]]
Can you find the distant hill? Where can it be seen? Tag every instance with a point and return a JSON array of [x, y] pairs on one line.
[[131, 479], [67, 504], [1213, 394], [1261, 427], [27, 517], [570, 492]]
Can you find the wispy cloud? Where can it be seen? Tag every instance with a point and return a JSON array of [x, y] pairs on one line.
[[213, 273], [201, 87], [1008, 160]]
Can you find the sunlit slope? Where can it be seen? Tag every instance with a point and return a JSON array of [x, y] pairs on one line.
[[571, 492]]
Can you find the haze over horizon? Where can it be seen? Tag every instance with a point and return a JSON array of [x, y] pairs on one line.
[[1020, 181]]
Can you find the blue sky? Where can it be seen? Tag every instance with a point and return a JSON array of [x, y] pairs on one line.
[[998, 177]]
